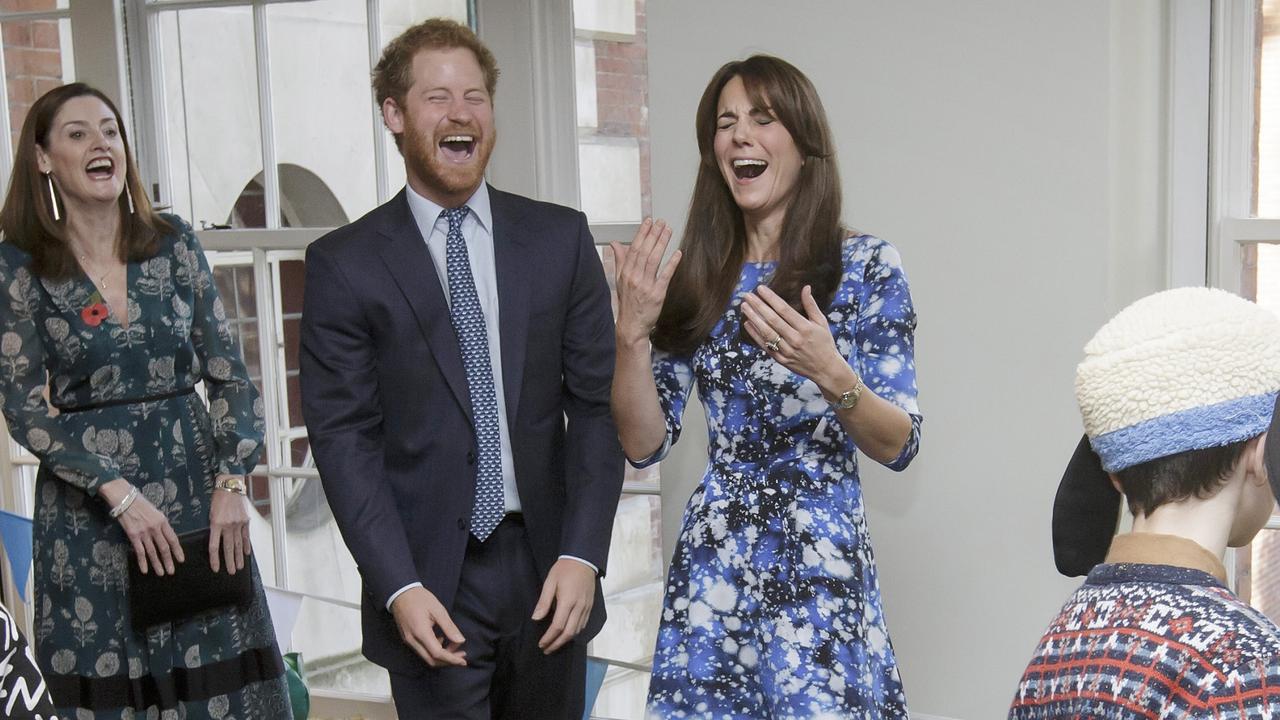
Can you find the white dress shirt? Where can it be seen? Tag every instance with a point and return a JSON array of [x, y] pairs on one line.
[[477, 232]]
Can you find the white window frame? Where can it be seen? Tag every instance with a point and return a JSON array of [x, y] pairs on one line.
[[1231, 149], [150, 111], [146, 56], [1232, 228], [544, 91], [133, 77]]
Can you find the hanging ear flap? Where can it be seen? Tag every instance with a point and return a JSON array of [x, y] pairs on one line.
[[1086, 512], [1271, 450]]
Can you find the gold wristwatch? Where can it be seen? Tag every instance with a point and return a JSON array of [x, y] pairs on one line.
[[232, 483], [848, 398]]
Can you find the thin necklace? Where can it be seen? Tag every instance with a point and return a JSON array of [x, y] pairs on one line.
[[102, 279]]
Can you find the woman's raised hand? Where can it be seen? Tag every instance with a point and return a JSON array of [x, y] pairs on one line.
[[642, 279], [801, 343]]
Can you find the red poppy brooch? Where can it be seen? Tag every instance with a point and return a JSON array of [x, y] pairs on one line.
[[95, 312]]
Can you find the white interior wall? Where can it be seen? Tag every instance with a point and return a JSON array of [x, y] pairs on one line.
[[1011, 149]]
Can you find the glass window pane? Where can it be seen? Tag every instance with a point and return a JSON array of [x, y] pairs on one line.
[[319, 562], [1257, 565], [633, 594], [234, 277], [397, 15], [1258, 573], [211, 103], [37, 59], [320, 97], [332, 657], [1267, 160], [1260, 280], [612, 77], [633, 588], [622, 691]]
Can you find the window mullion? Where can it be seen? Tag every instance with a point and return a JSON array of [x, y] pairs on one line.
[[150, 114], [264, 292], [29, 16], [6, 144], [1231, 132], [270, 169], [11, 499], [279, 365], [373, 14]]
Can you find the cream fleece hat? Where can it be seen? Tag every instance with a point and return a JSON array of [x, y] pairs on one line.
[[1179, 370]]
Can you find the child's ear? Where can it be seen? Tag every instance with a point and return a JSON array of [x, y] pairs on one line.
[[1256, 454]]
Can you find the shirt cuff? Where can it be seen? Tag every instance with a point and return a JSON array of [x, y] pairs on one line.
[[656, 456], [400, 592], [570, 557]]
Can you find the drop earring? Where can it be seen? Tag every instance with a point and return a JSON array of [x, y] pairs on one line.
[[128, 196], [53, 197]]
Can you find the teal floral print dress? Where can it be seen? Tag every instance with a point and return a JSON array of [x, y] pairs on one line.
[[124, 388]]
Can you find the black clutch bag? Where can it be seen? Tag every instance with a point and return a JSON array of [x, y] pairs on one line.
[[194, 587]]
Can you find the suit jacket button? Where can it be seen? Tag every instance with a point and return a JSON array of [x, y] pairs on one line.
[[471, 457], [462, 524]]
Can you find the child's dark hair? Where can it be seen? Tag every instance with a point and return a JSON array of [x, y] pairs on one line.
[[1193, 473]]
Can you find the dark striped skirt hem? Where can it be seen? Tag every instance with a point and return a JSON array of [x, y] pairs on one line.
[[167, 691]]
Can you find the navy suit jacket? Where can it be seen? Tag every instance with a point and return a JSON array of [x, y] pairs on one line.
[[386, 404]]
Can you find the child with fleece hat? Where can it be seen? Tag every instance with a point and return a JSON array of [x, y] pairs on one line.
[[1177, 393]]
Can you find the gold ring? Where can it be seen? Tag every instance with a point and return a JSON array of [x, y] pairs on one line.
[[774, 344]]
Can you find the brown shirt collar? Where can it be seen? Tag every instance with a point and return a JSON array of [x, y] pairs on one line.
[[1156, 549]]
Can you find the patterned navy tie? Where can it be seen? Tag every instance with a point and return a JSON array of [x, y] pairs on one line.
[[468, 323]]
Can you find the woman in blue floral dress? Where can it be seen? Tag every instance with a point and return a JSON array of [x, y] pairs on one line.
[[799, 334], [111, 316]]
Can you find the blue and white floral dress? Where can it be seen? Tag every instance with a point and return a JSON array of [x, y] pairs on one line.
[[772, 605]]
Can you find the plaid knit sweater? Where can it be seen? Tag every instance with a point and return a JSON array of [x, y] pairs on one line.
[[1153, 641]]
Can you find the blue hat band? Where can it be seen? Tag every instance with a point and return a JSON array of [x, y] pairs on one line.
[[1192, 429]]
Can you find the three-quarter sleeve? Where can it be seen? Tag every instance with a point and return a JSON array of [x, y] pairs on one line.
[[673, 375], [885, 336], [23, 378], [235, 406]]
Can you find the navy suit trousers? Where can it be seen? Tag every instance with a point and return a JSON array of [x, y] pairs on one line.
[[506, 676]]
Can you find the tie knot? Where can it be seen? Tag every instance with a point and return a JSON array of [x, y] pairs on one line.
[[456, 215]]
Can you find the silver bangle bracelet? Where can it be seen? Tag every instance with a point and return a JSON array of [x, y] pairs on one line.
[[120, 509]]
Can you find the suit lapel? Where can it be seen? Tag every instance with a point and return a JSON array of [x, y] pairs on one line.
[[512, 248], [409, 263]]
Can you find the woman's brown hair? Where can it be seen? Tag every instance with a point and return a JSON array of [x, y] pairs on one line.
[[715, 238], [27, 218]]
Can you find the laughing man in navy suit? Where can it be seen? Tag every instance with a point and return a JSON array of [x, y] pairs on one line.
[[457, 353]]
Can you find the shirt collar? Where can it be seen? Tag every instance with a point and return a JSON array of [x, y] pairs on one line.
[[1156, 549], [426, 212]]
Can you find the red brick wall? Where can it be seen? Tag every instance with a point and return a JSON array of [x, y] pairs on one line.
[[622, 94], [32, 58]]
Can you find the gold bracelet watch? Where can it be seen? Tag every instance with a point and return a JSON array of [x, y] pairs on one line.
[[848, 398], [232, 483]]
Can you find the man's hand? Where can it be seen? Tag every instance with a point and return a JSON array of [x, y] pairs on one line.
[[420, 616], [571, 587]]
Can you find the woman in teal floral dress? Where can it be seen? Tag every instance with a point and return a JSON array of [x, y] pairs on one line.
[[110, 315]]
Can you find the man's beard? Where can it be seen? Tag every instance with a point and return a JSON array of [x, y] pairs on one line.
[[421, 154]]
